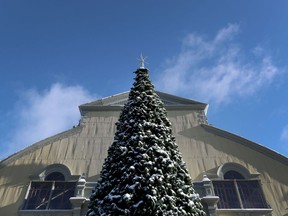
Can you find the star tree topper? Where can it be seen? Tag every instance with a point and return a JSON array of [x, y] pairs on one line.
[[142, 61]]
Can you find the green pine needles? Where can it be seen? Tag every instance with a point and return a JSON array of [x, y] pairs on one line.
[[144, 173]]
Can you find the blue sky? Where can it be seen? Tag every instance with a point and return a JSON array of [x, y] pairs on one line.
[[56, 55]]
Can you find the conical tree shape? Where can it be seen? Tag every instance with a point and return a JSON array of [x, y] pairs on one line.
[[144, 173]]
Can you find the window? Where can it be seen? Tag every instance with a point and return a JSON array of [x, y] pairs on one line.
[[39, 194], [55, 176], [233, 175], [236, 192], [239, 194], [53, 193], [251, 194], [227, 194]]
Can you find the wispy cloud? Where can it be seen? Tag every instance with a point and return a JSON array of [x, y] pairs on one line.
[[42, 114], [284, 134], [217, 70]]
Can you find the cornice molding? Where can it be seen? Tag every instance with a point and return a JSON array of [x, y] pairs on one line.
[[119, 108], [116, 103]]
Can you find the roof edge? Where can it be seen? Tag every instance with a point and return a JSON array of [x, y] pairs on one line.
[[178, 97], [99, 105], [103, 98], [87, 108], [247, 143]]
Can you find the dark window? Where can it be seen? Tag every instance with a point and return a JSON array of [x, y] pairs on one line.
[[251, 194], [38, 196], [55, 176], [50, 195], [61, 194], [233, 175], [227, 193], [239, 193]]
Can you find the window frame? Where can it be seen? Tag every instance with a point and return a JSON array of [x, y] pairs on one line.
[[260, 201], [71, 187], [49, 195], [247, 177]]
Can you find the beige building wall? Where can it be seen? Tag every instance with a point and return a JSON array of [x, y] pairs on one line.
[[84, 148]]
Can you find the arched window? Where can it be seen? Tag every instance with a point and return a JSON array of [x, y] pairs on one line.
[[55, 176], [231, 174], [52, 191], [237, 189]]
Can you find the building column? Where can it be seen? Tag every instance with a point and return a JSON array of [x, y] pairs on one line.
[[79, 199], [210, 199]]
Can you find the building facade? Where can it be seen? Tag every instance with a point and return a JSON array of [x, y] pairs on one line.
[[233, 176]]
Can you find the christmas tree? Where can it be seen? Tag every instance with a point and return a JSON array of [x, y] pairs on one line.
[[144, 173]]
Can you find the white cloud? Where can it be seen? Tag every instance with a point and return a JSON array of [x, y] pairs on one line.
[[227, 33], [42, 114], [284, 134], [217, 70]]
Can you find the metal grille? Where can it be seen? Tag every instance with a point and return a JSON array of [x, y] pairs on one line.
[[50, 195], [239, 194], [251, 194], [228, 195]]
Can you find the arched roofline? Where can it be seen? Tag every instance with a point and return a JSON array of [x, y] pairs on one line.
[[39, 145], [247, 143]]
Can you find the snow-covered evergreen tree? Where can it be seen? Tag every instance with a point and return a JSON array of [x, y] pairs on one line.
[[144, 173]]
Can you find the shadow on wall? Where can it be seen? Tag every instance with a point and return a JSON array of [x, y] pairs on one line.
[[13, 186], [9, 208], [93, 178], [19, 175]]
